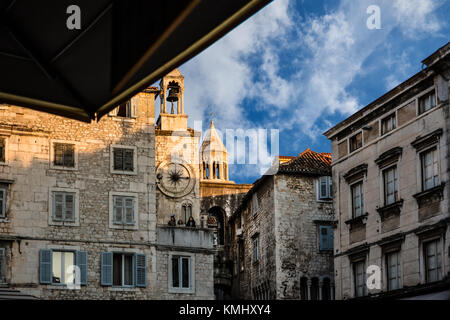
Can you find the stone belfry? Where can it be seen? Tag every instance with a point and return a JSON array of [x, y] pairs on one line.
[[214, 157], [172, 116]]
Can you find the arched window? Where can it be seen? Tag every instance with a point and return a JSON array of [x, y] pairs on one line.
[[217, 171], [207, 171], [315, 289], [186, 211], [304, 288], [326, 289]]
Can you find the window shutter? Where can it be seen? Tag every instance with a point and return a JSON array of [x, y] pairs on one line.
[[140, 272], [2, 265], [81, 261], [134, 107], [128, 159], [323, 188], [58, 205], [129, 210], [45, 266], [2, 203], [69, 152], [323, 237], [107, 269], [118, 209], [69, 207], [118, 159], [330, 238], [113, 112], [330, 187]]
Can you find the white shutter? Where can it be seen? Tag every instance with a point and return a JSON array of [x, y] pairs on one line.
[[134, 107], [113, 112]]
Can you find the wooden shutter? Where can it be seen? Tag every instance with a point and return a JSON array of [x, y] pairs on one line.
[[330, 237], [58, 205], [69, 206], [134, 107], [118, 159], [107, 269], [140, 272], [45, 266], [323, 188], [81, 261], [129, 210], [2, 203], [58, 154], [323, 237], [128, 159]]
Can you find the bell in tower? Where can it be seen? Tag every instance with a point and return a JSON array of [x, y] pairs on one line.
[[173, 96]]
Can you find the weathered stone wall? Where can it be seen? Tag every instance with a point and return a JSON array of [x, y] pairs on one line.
[[409, 222], [297, 234]]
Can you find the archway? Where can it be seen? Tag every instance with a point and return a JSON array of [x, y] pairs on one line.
[[219, 214]]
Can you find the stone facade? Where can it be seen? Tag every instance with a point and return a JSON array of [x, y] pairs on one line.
[[281, 215], [399, 228], [30, 180]]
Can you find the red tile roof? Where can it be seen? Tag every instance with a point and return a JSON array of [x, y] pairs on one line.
[[309, 162]]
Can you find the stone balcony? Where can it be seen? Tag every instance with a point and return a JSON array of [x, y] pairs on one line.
[[184, 237]]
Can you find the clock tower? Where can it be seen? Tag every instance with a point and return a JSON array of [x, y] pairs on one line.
[[177, 156]]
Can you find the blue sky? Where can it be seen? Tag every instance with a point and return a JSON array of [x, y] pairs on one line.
[[302, 66]]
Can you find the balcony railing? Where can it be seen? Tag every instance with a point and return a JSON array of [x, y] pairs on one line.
[[184, 237]]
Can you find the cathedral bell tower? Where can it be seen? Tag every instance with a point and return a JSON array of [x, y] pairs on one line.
[[172, 115], [214, 157]]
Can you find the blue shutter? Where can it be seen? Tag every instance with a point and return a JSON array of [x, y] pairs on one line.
[[330, 238], [140, 272], [107, 269], [323, 237], [45, 266], [81, 261]]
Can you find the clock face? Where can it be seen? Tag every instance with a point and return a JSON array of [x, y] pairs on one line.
[[174, 179]]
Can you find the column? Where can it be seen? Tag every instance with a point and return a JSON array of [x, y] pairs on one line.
[[309, 290], [210, 170], [320, 289], [182, 100]]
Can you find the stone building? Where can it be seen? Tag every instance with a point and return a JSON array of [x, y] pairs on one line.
[[219, 198], [281, 236], [391, 164], [96, 197]]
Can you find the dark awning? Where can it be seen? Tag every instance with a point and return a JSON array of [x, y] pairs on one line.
[[122, 47]]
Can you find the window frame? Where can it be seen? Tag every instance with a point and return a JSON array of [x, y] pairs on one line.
[[3, 262], [330, 241], [124, 209], [328, 187], [435, 150], [63, 272], [389, 118], [352, 207], [184, 211], [421, 110], [130, 226], [396, 195], [388, 273], [4, 161], [51, 208], [439, 266], [356, 284], [255, 255], [4, 190], [132, 106], [64, 204], [75, 144], [351, 150], [124, 172], [122, 273], [191, 273], [255, 204]]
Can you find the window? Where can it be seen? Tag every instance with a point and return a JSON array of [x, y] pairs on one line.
[[256, 249], [314, 289], [54, 266], [181, 272], [64, 155], [128, 109], [123, 209], [2, 202], [433, 261], [123, 159], [427, 102], [63, 206], [186, 211], [356, 142], [255, 205], [2, 265], [325, 238], [60, 267], [359, 273], [393, 269], [325, 188], [430, 169], [121, 269], [390, 185], [326, 289], [357, 199], [388, 124], [2, 150]]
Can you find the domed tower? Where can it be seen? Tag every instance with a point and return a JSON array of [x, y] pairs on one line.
[[214, 157]]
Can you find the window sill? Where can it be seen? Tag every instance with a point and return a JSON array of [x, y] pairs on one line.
[[129, 173], [4, 220], [124, 227], [391, 209], [62, 168], [129, 289], [437, 191], [64, 223], [185, 290], [362, 219], [123, 119]]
